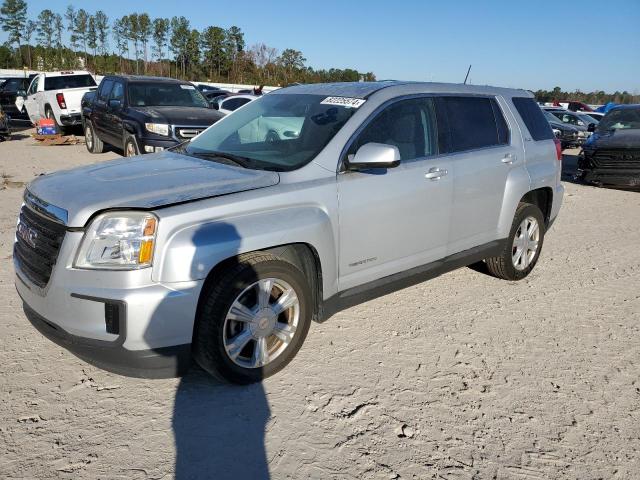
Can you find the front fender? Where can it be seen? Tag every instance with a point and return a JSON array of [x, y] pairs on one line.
[[191, 252]]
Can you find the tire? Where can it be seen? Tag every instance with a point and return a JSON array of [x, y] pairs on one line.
[[216, 334], [91, 140], [505, 266], [130, 147], [48, 112]]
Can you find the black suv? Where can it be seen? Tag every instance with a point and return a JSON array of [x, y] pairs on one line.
[[611, 156], [144, 114]]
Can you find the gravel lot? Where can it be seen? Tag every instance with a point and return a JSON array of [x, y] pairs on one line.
[[462, 377]]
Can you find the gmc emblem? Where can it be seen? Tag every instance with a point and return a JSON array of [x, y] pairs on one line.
[[27, 234]]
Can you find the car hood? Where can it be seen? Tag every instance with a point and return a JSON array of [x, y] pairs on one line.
[[615, 139], [146, 182], [190, 116]]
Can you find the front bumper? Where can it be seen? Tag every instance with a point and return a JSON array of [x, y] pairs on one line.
[[152, 144], [618, 178], [154, 322]]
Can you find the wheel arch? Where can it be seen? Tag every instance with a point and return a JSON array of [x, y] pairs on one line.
[[543, 199], [303, 255]]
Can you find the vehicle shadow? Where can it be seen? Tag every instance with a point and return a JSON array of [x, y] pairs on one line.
[[219, 428]]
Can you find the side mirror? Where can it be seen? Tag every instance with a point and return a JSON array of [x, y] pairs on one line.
[[290, 134], [115, 104], [591, 127], [374, 155], [21, 93], [214, 105]]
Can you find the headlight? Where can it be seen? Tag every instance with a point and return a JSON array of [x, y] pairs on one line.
[[157, 128], [118, 241]]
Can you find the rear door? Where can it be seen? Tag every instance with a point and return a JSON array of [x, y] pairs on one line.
[[395, 219], [482, 153]]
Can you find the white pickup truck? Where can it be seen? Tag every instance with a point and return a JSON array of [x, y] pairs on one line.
[[57, 95]]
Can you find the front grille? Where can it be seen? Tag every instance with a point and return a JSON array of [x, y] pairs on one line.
[[623, 159], [188, 132], [38, 241]]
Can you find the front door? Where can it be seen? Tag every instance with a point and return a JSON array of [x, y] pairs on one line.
[[395, 219], [31, 102]]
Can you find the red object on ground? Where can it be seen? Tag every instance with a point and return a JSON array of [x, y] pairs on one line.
[[46, 122]]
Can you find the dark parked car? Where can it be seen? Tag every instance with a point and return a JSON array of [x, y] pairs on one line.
[[9, 91], [611, 156], [206, 88], [567, 134], [144, 114], [4, 125], [212, 95]]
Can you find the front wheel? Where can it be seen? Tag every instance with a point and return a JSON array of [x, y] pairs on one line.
[[253, 320], [522, 248]]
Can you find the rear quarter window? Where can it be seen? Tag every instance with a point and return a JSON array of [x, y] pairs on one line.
[[533, 118]]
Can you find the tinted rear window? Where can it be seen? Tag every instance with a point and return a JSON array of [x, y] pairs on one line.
[[533, 118], [472, 123], [68, 81]]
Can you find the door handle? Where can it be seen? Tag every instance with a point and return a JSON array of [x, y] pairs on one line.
[[508, 158], [435, 173]]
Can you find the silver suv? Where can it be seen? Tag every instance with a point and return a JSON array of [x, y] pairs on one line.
[[306, 201]]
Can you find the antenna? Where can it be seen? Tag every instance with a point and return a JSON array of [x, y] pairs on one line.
[[467, 77]]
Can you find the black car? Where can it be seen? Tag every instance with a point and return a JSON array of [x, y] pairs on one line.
[[212, 95], [9, 91], [4, 125], [144, 114], [611, 156], [567, 134]]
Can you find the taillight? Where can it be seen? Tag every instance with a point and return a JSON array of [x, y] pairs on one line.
[[558, 148], [60, 99]]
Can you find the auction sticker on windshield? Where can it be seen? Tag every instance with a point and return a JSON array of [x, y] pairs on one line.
[[343, 101]]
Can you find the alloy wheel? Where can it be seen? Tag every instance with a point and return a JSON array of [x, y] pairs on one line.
[[525, 243], [261, 323]]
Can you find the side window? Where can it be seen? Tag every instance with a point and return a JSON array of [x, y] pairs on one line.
[[234, 103], [409, 125], [105, 90], [533, 118], [472, 123], [33, 88], [117, 93], [504, 136]]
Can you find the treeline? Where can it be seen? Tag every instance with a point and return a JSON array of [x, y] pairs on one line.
[[591, 98], [137, 43]]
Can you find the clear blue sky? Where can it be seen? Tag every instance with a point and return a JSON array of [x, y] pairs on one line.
[[587, 45]]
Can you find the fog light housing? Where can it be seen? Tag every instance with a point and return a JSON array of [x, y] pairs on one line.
[[148, 149]]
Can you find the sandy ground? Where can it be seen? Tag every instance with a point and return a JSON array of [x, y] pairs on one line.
[[462, 377]]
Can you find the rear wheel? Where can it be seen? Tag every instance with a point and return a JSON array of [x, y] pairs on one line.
[[253, 320], [48, 112], [94, 144], [522, 248]]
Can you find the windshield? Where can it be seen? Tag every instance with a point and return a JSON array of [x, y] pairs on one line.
[[68, 81], [165, 94], [550, 117], [588, 118], [276, 132], [621, 118]]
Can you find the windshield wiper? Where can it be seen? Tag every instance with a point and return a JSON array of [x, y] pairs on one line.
[[237, 159]]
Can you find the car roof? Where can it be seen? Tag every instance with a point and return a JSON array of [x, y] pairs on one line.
[[364, 90], [630, 106], [144, 78]]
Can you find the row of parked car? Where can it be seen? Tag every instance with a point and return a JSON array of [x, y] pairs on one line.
[[138, 114]]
